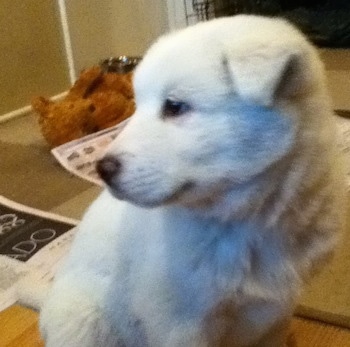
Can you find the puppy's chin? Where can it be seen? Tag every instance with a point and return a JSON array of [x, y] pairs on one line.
[[152, 200]]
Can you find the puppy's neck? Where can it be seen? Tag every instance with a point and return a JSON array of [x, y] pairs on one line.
[[272, 199]]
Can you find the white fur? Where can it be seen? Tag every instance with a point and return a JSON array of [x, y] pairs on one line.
[[229, 206]]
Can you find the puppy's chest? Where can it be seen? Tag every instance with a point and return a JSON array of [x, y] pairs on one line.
[[194, 270]]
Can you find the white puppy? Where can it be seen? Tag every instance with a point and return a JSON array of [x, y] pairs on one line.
[[229, 175]]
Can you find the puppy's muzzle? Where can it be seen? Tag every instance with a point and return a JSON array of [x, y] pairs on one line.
[[108, 168]]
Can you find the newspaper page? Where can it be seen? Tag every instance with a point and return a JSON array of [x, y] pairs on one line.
[[32, 243], [79, 156]]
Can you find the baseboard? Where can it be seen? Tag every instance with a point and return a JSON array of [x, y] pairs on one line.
[[27, 109]]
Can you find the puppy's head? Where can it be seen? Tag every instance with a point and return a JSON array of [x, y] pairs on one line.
[[216, 107]]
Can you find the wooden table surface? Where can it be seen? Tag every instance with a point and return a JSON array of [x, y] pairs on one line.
[[19, 328]]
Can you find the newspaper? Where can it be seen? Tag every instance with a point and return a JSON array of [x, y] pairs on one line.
[[79, 156], [32, 243]]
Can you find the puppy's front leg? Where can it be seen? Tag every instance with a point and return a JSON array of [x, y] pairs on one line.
[[72, 317]]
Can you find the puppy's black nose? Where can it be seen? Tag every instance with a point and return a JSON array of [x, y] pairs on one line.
[[108, 167]]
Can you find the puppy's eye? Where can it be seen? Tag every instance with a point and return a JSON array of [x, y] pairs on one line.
[[174, 108]]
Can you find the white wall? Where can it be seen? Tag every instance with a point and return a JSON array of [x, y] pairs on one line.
[[32, 55], [103, 28], [33, 51], [337, 64]]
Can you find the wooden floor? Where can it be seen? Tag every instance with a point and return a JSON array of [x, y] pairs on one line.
[[18, 328]]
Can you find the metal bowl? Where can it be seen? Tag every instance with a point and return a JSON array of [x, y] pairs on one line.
[[122, 64]]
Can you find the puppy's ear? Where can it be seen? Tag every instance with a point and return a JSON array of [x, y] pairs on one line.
[[263, 75]]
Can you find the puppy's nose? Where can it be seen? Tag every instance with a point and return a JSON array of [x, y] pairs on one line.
[[108, 167]]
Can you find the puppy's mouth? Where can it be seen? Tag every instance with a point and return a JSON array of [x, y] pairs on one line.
[[145, 200], [178, 193]]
